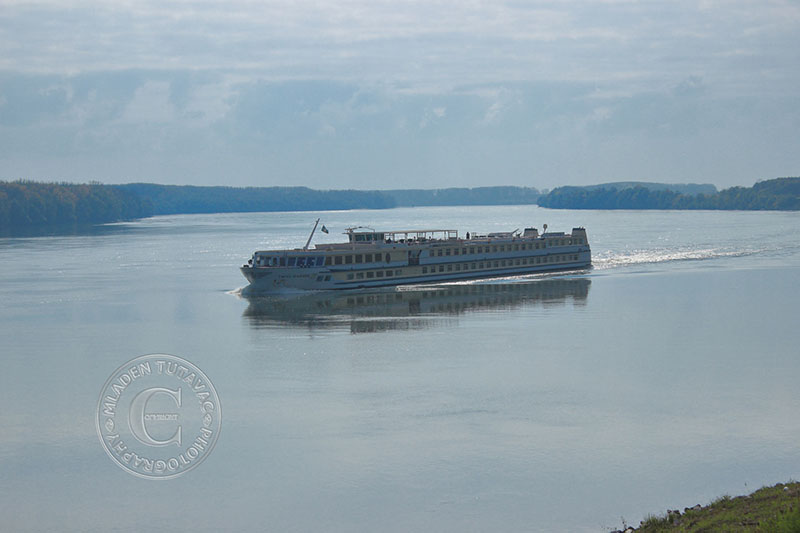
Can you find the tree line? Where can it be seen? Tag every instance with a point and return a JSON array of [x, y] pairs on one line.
[[25, 204], [776, 194], [29, 203]]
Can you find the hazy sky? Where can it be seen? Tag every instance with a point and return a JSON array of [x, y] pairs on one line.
[[395, 94]]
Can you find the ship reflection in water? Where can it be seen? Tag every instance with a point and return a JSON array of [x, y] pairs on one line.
[[410, 307]]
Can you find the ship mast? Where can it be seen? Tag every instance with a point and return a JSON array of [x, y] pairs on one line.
[[312, 235]]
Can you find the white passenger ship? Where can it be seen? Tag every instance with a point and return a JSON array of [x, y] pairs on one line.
[[387, 258]]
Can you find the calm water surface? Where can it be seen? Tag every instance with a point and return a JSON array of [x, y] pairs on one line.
[[664, 377]]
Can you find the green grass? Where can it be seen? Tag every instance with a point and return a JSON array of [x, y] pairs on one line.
[[767, 510]]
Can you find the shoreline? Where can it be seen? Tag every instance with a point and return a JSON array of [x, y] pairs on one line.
[[773, 508]]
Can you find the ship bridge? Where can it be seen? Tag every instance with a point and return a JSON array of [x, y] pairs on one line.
[[419, 235]]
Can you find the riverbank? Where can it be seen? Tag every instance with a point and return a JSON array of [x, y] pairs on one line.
[[773, 509]]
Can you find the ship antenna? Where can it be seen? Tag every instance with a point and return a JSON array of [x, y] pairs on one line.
[[310, 236], [544, 229]]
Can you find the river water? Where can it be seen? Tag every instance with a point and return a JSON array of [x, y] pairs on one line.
[[664, 377]]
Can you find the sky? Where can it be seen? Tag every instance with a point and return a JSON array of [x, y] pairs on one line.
[[375, 94]]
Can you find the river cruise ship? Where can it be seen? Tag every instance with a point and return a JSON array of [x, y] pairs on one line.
[[386, 258]]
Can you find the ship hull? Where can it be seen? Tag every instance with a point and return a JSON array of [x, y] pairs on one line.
[[315, 279]]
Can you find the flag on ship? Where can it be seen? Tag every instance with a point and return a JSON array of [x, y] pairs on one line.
[[324, 229]]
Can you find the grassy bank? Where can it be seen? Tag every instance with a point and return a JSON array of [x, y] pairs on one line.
[[770, 510]]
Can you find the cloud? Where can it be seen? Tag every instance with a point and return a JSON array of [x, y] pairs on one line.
[[440, 44], [443, 92]]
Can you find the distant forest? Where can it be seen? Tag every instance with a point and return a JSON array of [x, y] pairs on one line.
[[184, 199], [776, 194], [174, 199], [476, 196], [27, 204]]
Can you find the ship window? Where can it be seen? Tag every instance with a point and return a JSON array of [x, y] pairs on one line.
[[338, 260], [359, 258], [379, 273], [292, 261], [350, 275], [398, 272], [329, 260], [359, 275], [320, 261], [516, 262], [328, 277], [472, 249], [348, 259], [516, 247], [463, 251], [447, 251], [473, 266], [441, 268], [370, 274], [449, 268], [282, 261], [494, 248], [455, 251], [388, 273], [319, 278], [458, 267], [439, 252], [368, 258], [496, 264], [387, 258], [424, 270], [480, 265]]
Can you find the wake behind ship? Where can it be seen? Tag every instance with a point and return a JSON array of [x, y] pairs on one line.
[[388, 258]]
